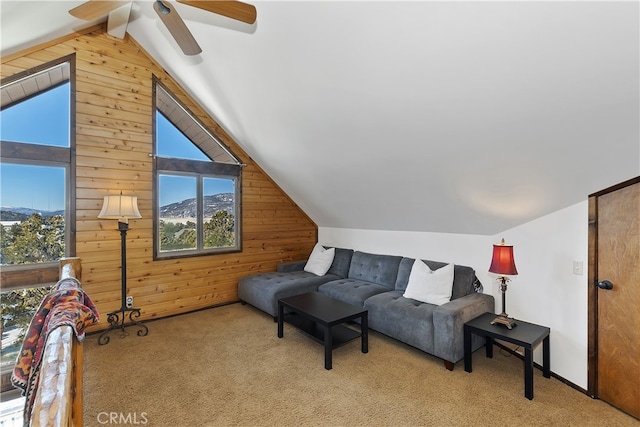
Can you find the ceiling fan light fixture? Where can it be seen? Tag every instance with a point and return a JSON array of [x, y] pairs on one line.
[[162, 8]]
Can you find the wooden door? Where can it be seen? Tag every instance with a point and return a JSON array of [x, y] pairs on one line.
[[616, 297]]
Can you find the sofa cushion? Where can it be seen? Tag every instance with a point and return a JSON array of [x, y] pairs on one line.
[[341, 262], [320, 260], [351, 291], [379, 269], [264, 290], [426, 285], [463, 277], [404, 319]]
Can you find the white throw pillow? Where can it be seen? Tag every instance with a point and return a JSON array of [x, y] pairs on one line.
[[433, 287], [320, 260]]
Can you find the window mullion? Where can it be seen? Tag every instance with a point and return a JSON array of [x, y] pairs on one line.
[[200, 213]]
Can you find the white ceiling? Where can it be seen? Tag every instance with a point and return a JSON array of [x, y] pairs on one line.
[[459, 117]]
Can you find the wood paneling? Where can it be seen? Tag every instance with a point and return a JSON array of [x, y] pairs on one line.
[[114, 137]]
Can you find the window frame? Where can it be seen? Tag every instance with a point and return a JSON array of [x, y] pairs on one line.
[[31, 154], [193, 168]]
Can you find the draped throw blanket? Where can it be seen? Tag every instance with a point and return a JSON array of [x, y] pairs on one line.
[[66, 304]]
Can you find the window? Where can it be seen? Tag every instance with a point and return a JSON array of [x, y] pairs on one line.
[[33, 213], [36, 172], [197, 184], [37, 198]]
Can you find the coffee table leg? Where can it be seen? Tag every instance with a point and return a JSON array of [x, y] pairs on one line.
[[328, 344], [364, 332], [280, 320]]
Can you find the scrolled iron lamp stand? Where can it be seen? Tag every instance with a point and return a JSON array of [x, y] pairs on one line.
[[117, 319]]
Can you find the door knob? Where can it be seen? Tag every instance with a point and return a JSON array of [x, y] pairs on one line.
[[605, 284]]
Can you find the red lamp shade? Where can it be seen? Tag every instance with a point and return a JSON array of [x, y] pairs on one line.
[[502, 261]]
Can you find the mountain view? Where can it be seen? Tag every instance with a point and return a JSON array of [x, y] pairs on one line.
[[21, 214], [183, 209], [187, 208]]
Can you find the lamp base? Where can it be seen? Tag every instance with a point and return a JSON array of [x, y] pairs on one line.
[[503, 319], [117, 320]]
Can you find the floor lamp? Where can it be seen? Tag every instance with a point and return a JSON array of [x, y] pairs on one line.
[[122, 208], [502, 263]]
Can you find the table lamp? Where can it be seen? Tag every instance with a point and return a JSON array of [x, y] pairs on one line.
[[503, 264]]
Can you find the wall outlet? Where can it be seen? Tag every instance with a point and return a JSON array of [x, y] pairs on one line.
[[578, 268], [129, 302]]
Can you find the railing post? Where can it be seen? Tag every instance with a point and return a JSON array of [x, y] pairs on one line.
[[58, 400], [70, 267]]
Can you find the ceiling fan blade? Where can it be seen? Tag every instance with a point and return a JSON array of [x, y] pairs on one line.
[[118, 21], [95, 9], [231, 9], [177, 28]]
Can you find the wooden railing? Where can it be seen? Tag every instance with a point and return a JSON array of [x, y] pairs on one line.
[[58, 400]]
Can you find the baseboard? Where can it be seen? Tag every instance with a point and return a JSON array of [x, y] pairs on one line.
[[99, 331]]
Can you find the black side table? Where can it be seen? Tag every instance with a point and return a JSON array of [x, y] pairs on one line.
[[526, 335]]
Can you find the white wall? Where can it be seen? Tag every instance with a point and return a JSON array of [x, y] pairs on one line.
[[545, 292]]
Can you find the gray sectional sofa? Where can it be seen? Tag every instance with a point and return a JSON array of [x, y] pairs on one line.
[[377, 283]]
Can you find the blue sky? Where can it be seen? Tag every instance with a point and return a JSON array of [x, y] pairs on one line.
[[172, 143], [41, 120], [41, 188], [45, 120]]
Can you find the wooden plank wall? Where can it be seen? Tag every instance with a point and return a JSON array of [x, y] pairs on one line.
[[113, 143]]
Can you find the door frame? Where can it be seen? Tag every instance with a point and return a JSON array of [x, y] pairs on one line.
[[592, 282]]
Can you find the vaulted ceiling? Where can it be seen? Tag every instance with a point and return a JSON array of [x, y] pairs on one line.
[[459, 117]]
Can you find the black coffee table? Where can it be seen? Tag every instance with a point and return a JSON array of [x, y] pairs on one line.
[[322, 318]]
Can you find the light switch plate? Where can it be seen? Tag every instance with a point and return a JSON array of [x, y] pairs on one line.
[[578, 268]]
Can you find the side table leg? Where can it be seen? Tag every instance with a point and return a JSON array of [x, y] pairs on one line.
[[546, 358], [489, 347], [528, 373], [467, 350], [328, 347]]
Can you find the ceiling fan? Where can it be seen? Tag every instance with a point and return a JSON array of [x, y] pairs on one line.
[[119, 17]]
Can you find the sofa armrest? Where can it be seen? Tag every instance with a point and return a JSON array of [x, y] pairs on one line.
[[287, 267], [449, 320]]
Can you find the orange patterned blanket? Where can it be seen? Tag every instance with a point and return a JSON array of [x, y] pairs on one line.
[[66, 304]]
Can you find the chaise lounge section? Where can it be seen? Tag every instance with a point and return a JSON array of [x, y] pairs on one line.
[[264, 290], [378, 284]]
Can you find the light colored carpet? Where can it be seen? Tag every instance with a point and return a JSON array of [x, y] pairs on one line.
[[226, 367]]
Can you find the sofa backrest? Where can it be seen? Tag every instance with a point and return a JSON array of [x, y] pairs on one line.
[[380, 269], [463, 276], [341, 262]]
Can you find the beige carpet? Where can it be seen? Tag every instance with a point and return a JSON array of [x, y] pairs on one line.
[[226, 367]]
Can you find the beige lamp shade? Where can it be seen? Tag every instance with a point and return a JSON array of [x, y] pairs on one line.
[[120, 207]]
